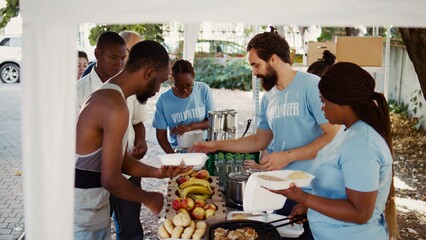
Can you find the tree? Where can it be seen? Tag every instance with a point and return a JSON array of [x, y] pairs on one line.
[[415, 42], [147, 31], [10, 11]]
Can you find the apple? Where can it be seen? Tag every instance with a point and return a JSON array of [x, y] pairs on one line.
[[177, 203], [188, 203], [210, 206], [198, 213], [200, 203], [203, 174], [210, 212], [184, 211], [181, 180]]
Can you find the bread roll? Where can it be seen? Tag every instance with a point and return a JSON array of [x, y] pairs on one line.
[[192, 225], [201, 225], [168, 224], [297, 175], [177, 232], [199, 233], [181, 219], [187, 233], [162, 232]]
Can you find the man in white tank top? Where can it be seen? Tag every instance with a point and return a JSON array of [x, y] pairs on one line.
[[101, 133]]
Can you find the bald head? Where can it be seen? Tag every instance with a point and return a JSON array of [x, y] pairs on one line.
[[130, 38]]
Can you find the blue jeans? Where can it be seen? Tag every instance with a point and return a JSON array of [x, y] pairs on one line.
[[286, 210], [126, 216], [102, 234]]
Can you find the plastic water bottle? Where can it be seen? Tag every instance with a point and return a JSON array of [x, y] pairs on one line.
[[221, 170], [238, 163]]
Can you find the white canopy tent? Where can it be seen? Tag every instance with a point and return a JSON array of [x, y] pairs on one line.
[[48, 82]]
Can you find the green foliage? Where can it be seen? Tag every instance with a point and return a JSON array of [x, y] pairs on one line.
[[147, 31], [327, 33], [234, 73], [10, 11], [398, 108]]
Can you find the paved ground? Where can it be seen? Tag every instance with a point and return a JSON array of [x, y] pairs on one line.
[[11, 197]]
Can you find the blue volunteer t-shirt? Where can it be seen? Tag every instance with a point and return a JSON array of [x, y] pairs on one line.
[[172, 110], [358, 159], [294, 115]]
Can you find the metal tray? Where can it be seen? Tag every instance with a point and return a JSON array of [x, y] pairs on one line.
[[234, 224]]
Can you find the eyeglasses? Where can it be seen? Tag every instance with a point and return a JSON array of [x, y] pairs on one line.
[[181, 88]]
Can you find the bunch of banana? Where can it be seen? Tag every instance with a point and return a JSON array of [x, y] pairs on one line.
[[202, 197], [195, 182], [195, 186]]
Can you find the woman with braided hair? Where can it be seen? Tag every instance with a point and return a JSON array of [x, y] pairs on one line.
[[352, 194]]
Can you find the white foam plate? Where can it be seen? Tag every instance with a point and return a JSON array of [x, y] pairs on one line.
[[285, 182], [257, 198], [196, 160]]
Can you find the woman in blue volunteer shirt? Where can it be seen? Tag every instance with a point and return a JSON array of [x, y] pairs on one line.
[[182, 108], [352, 193]]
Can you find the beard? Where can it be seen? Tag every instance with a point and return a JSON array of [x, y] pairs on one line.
[[148, 93], [269, 79]]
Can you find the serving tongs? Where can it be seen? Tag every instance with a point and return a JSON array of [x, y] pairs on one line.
[[296, 219]]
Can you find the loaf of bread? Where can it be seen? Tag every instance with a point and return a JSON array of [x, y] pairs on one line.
[[199, 233], [177, 232], [168, 224], [162, 232], [297, 175], [182, 220], [187, 233]]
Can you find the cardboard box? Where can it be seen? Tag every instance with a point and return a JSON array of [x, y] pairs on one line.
[[315, 50], [364, 51]]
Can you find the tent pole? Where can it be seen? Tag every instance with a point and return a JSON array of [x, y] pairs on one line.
[[387, 61]]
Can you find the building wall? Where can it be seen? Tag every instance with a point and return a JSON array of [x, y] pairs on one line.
[[403, 82]]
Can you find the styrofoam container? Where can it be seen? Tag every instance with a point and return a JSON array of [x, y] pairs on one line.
[[196, 160], [187, 139], [284, 183], [241, 215], [256, 196], [173, 159]]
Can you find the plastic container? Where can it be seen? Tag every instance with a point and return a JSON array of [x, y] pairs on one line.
[[187, 139], [196, 160]]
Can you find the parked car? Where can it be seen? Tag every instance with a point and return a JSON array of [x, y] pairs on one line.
[[10, 58]]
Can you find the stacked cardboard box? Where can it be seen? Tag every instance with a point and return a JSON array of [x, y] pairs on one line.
[[364, 51]]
